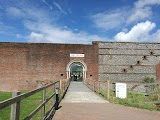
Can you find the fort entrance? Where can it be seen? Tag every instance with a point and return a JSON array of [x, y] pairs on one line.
[[76, 70], [23, 64]]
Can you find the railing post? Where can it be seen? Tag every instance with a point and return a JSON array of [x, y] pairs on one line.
[[108, 89], [15, 108], [64, 86], [93, 85], [147, 88], [60, 85], [57, 100], [53, 92], [113, 89], [146, 91], [99, 87], [60, 91], [43, 99]]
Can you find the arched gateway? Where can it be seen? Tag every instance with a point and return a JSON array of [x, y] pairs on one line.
[[76, 70]]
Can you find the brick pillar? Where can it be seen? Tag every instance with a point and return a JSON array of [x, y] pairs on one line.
[[158, 72]]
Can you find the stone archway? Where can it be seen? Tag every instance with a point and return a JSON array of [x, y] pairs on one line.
[[69, 65]]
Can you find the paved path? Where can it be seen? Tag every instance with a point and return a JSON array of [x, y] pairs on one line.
[[80, 103], [80, 93]]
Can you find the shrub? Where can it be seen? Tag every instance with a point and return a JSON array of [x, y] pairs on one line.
[[149, 80]]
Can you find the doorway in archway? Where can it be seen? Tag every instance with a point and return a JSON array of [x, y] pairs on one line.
[[76, 72]]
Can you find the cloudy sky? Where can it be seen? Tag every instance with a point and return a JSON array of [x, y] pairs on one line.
[[79, 21]]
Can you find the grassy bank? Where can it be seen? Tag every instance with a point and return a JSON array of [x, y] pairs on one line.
[[27, 105], [135, 100], [132, 100]]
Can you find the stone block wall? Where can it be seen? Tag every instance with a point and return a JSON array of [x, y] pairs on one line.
[[128, 61]]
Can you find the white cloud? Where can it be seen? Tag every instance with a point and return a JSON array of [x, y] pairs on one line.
[[139, 33], [47, 4], [36, 37], [139, 14], [142, 3], [110, 20], [60, 8], [69, 10], [18, 36], [15, 12], [156, 36], [56, 5], [53, 34], [41, 25], [140, 11], [29, 13], [42, 28], [6, 29]]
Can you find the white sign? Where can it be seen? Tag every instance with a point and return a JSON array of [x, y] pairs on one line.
[[76, 55], [121, 90]]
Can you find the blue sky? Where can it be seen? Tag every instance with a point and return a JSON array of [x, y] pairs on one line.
[[79, 21]]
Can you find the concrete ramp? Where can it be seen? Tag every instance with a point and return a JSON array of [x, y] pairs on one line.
[[78, 92]]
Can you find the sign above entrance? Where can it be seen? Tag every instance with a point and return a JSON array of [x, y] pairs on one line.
[[76, 55]]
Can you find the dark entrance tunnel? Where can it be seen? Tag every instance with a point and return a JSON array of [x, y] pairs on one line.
[[76, 72]]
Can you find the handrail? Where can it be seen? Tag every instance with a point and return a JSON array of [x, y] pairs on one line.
[[96, 86], [38, 108], [18, 98]]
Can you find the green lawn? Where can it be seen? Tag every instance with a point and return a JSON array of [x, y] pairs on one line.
[[4, 114], [27, 105], [135, 100], [5, 95], [132, 100]]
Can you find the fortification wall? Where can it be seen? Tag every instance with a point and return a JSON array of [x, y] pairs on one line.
[[26, 65], [128, 61]]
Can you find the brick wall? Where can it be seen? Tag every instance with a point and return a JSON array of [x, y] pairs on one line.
[[158, 72], [25, 65]]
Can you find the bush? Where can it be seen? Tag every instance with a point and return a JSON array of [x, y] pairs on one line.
[[149, 80]]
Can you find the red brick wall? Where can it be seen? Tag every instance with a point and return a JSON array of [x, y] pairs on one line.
[[158, 72], [24, 65]]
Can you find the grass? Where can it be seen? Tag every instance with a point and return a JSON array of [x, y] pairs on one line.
[[132, 100], [27, 105], [5, 95], [4, 113], [135, 100]]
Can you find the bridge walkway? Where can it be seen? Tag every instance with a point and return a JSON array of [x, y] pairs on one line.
[[80, 103]]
